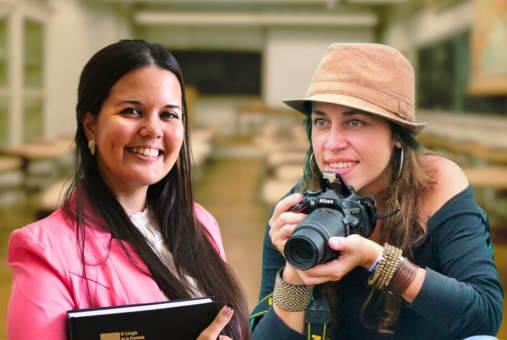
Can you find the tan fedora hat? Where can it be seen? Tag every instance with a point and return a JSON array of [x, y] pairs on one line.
[[370, 77]]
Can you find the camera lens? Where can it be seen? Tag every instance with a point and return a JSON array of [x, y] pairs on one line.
[[308, 244], [303, 250]]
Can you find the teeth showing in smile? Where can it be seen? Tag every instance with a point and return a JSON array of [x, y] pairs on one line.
[[145, 152], [342, 165]]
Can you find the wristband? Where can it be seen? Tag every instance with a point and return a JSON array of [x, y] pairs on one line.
[[289, 297], [375, 265]]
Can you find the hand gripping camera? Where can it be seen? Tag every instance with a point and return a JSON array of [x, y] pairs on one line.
[[336, 210]]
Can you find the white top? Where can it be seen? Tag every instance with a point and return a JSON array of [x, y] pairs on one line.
[[156, 241]]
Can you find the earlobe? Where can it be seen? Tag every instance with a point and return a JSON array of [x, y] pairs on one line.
[[397, 144]]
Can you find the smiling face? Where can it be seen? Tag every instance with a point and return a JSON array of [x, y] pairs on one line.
[[139, 130], [354, 144]]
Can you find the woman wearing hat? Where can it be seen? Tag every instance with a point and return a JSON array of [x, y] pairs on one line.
[[425, 273]]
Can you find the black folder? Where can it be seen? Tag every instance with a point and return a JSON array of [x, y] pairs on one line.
[[180, 319]]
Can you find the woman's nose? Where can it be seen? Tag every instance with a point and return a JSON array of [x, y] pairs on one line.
[[336, 140], [152, 127]]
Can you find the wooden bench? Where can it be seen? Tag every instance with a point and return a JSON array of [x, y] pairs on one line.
[[479, 136], [290, 172], [12, 179], [251, 118], [489, 177], [474, 149], [274, 189], [286, 157], [52, 198]]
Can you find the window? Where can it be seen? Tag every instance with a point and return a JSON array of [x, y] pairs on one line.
[[442, 79], [32, 118], [4, 54], [4, 120], [22, 71], [4, 83], [33, 81]]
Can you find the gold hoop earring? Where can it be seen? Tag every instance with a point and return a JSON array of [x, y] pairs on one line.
[[401, 162], [91, 146]]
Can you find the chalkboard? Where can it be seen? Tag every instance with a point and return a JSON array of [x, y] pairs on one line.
[[221, 72]]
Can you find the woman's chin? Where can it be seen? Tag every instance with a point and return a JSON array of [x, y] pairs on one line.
[[142, 181]]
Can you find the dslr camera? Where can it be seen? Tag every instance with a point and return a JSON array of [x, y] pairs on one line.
[[335, 210]]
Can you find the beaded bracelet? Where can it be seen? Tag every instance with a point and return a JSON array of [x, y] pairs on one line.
[[393, 271], [387, 268], [392, 267]]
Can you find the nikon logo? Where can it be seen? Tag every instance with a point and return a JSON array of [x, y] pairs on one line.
[[326, 201]]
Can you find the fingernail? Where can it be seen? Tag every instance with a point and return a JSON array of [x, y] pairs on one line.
[[227, 309], [334, 241], [298, 196]]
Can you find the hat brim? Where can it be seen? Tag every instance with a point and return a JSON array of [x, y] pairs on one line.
[[356, 103]]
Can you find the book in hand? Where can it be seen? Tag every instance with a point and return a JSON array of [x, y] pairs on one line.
[[180, 319]]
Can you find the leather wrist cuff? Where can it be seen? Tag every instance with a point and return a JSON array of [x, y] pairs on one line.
[[289, 297], [403, 278]]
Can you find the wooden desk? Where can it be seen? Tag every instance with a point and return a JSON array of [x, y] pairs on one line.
[[10, 163], [45, 149], [41, 160]]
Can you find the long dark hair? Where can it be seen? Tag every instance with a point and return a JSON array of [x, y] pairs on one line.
[[170, 203], [407, 229]]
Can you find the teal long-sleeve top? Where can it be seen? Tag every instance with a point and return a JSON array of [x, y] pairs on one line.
[[461, 295]]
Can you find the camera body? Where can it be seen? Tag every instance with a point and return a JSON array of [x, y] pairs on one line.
[[335, 210]]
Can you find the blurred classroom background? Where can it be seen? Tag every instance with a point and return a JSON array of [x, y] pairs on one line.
[[240, 58]]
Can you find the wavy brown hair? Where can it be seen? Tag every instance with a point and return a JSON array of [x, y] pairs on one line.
[[405, 230], [89, 202]]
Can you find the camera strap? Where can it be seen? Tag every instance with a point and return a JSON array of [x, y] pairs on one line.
[[317, 315], [260, 310]]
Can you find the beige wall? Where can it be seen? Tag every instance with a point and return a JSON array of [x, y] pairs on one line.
[[76, 31], [211, 38], [292, 56]]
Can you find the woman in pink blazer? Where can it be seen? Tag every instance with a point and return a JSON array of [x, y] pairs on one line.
[[128, 231]]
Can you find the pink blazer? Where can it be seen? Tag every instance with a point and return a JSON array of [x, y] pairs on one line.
[[47, 278]]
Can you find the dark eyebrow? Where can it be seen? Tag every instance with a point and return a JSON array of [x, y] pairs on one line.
[[319, 113], [355, 112], [138, 103], [171, 106]]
